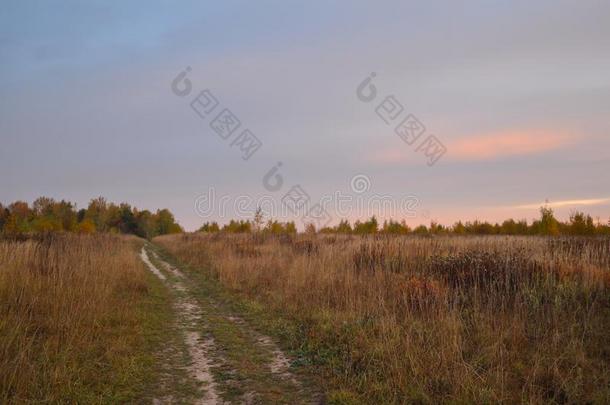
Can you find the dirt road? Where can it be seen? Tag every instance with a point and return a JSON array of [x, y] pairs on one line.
[[219, 358]]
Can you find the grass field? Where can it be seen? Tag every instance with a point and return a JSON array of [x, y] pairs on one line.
[[80, 320], [361, 319], [408, 319]]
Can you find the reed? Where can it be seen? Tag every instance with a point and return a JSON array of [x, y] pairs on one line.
[[70, 319], [403, 319]]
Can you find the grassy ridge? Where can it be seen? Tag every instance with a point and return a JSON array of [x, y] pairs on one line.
[[80, 319], [403, 319]]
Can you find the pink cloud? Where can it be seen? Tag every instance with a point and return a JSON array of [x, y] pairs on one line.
[[507, 143], [486, 146], [566, 203]]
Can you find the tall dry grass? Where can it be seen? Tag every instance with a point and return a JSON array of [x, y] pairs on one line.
[[406, 319], [69, 322]]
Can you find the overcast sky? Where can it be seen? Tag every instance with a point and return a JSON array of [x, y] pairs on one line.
[[517, 92]]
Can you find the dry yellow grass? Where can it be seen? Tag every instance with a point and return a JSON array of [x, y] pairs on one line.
[[70, 319], [406, 319]]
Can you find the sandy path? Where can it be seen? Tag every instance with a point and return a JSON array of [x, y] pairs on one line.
[[249, 365], [198, 347], [279, 363]]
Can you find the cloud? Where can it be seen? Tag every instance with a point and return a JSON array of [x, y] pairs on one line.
[[509, 143], [486, 147], [564, 203]]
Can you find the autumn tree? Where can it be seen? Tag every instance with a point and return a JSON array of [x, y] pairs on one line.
[[291, 227], [421, 230], [49, 215], [209, 227], [458, 228], [547, 225], [436, 228], [43, 218], [277, 228], [344, 227], [581, 224], [97, 213], [240, 226], [64, 212], [127, 220], [395, 227], [19, 217], [166, 224], [146, 224], [4, 214], [43, 206], [85, 226], [369, 227]]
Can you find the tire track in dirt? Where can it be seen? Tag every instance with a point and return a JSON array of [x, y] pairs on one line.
[[250, 367], [198, 348], [280, 363]]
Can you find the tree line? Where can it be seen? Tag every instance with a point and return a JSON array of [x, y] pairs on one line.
[[579, 224], [48, 215], [271, 227]]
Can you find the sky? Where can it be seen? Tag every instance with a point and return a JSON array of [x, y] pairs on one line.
[[517, 93]]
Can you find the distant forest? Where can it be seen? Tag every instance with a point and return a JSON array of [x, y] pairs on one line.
[[578, 224], [49, 215]]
